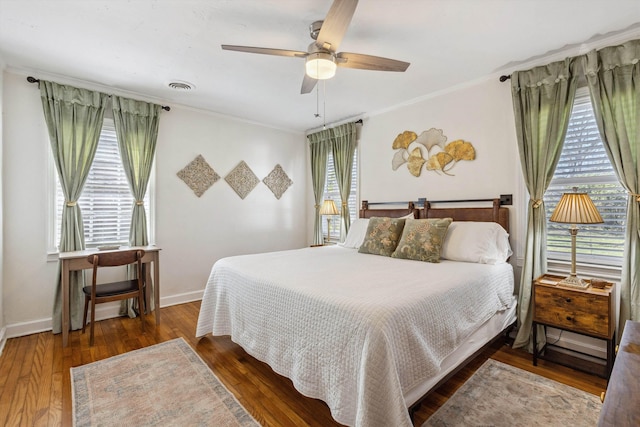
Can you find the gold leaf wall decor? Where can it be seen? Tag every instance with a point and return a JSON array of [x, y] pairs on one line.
[[438, 162], [415, 162], [404, 139], [439, 157], [461, 150]]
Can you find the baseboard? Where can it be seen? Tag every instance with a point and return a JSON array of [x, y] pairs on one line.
[[103, 311], [3, 339], [570, 341], [181, 298]]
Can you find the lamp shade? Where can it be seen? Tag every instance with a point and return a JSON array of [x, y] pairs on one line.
[[576, 208], [329, 208], [320, 65]]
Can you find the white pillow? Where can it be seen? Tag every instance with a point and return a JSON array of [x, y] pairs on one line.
[[356, 234], [481, 242]]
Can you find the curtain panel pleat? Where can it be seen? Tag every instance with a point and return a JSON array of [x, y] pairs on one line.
[[136, 124], [542, 103], [343, 145], [74, 119], [319, 146], [613, 76]]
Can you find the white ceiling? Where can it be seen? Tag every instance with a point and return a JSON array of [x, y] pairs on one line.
[[139, 46]]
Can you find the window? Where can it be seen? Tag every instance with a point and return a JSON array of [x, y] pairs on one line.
[[584, 164], [106, 199], [332, 192]]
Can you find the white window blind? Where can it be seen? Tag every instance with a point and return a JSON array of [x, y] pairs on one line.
[[331, 191], [584, 164], [106, 199]]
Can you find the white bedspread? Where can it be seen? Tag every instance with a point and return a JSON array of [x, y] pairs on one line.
[[352, 329]]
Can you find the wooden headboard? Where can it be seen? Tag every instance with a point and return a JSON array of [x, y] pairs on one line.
[[495, 213], [367, 212]]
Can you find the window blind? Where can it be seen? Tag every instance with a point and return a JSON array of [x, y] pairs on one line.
[[106, 200], [584, 164]]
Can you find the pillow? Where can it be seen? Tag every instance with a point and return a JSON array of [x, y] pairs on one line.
[[422, 239], [481, 242], [382, 236], [356, 234], [409, 216]]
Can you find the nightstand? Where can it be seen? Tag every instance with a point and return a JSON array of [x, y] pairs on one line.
[[589, 312]]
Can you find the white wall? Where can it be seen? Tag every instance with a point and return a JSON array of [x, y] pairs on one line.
[[2, 321], [481, 113], [192, 232]]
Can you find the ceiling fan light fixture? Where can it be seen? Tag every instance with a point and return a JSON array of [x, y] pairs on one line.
[[320, 65]]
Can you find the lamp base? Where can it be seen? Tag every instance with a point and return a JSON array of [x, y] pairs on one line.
[[573, 282]]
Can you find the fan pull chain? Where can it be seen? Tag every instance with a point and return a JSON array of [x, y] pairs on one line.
[[317, 114], [324, 104]]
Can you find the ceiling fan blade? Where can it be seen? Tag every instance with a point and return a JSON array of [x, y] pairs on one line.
[[266, 51], [336, 23], [369, 62], [308, 83]]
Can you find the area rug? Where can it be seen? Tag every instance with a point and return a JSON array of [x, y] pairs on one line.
[[166, 384], [502, 395]]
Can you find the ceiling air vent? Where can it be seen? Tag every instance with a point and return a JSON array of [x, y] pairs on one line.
[[181, 85]]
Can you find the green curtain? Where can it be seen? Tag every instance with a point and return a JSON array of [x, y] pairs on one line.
[[136, 125], [74, 119], [319, 145], [542, 103], [613, 75], [343, 145]]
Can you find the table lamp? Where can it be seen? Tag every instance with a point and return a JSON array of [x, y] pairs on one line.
[[575, 208], [328, 209]]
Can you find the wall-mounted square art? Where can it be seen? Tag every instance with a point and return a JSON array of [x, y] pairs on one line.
[[198, 175], [242, 179], [277, 181]]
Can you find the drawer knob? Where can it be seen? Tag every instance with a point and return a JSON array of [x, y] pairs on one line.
[[568, 299], [602, 396]]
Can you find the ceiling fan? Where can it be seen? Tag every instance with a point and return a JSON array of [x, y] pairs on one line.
[[321, 58]]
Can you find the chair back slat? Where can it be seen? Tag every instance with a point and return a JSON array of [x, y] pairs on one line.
[[113, 259]]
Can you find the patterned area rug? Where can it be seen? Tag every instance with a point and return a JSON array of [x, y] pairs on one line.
[[165, 384], [501, 395]]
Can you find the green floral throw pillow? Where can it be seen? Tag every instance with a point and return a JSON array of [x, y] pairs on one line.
[[382, 236], [422, 239]]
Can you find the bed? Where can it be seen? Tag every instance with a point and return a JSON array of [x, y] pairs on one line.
[[369, 335]]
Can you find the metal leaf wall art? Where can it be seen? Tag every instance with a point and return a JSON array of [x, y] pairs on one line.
[[440, 157]]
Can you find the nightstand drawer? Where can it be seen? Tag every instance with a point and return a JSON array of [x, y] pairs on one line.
[[576, 311]]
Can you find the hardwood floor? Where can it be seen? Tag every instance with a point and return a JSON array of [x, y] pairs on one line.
[[35, 387]]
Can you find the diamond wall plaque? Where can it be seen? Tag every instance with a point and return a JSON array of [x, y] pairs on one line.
[[277, 181], [198, 175], [242, 179]]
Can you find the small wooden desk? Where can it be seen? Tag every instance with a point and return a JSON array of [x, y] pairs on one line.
[[77, 260]]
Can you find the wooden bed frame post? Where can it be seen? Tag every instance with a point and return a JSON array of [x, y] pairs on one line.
[[496, 210]]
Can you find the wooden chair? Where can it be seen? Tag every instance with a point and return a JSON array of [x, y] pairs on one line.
[[115, 290]]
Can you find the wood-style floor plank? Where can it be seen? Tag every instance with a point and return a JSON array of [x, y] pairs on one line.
[[35, 383]]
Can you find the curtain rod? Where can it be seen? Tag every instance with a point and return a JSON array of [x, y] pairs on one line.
[[34, 80], [504, 78], [505, 199]]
